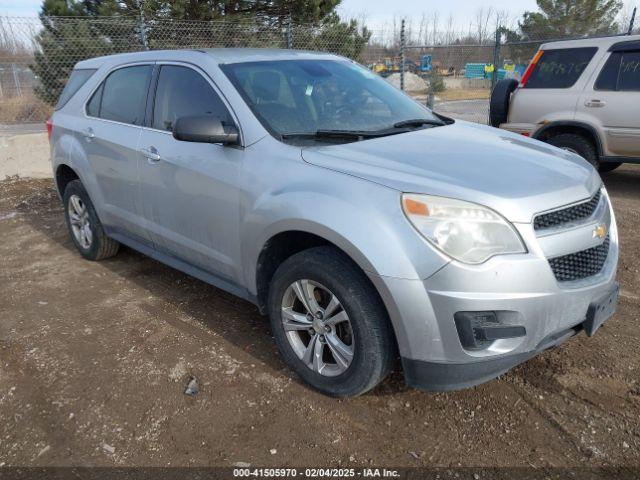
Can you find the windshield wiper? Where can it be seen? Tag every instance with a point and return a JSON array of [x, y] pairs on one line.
[[349, 134], [400, 127], [418, 122]]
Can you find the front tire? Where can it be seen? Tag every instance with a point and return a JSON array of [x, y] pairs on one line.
[[84, 225], [346, 346]]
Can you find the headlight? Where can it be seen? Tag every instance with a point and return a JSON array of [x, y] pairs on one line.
[[465, 231]]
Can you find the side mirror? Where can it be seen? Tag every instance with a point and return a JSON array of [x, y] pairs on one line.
[[204, 129]]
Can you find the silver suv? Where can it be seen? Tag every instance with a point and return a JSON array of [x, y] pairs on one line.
[[365, 225], [579, 95]]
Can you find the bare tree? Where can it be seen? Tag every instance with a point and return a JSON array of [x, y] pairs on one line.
[[482, 24], [435, 25]]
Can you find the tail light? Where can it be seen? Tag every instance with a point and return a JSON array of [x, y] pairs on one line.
[[49, 128], [530, 68]]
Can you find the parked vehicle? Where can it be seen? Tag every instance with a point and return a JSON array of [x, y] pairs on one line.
[[425, 64], [365, 225], [579, 95]]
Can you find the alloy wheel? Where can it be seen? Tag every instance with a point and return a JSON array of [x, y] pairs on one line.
[[317, 327], [80, 222]]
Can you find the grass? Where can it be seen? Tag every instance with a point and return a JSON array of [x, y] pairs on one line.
[[464, 94], [24, 109]]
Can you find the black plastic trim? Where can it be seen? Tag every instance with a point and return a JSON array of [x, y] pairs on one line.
[[173, 262], [443, 377], [503, 331], [151, 93], [620, 159]]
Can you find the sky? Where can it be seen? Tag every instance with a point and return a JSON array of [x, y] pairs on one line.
[[381, 11], [375, 12]]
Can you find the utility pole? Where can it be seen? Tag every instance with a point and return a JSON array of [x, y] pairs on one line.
[[402, 49], [143, 25], [633, 18], [496, 57], [289, 33]]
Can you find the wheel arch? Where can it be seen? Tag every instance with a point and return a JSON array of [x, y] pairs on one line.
[[287, 242], [282, 245], [578, 128], [63, 175]]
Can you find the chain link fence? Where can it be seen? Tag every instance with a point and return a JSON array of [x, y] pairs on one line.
[[461, 68], [449, 70]]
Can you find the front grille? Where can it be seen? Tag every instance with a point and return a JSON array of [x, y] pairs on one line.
[[579, 265], [567, 215]]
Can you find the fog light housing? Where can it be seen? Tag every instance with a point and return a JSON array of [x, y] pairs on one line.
[[478, 330]]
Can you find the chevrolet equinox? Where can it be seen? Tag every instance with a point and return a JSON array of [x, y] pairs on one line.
[[366, 226]]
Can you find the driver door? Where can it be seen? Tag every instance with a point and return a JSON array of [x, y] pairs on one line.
[[189, 190]]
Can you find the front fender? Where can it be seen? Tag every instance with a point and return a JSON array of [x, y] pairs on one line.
[[363, 219]]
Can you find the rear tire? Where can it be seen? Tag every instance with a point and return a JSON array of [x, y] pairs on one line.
[[371, 339], [84, 226], [500, 100]]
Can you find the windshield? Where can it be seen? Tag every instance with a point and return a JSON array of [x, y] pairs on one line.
[[306, 97]]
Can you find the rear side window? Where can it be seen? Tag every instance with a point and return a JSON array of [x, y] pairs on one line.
[[560, 68], [122, 96], [76, 80], [620, 73], [183, 92]]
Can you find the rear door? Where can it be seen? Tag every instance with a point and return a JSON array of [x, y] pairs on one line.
[[110, 133], [189, 191], [612, 101]]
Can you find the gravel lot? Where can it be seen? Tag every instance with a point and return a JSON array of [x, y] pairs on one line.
[[95, 357]]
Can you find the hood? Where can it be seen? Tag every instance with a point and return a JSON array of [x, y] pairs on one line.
[[516, 176]]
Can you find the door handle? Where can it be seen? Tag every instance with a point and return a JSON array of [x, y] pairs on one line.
[[88, 133], [151, 153], [595, 103]]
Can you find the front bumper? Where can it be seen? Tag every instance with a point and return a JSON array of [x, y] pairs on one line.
[[422, 311], [441, 377]]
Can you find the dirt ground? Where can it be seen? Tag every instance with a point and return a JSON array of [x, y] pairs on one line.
[[95, 357]]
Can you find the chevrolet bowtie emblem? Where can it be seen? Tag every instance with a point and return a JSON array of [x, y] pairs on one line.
[[600, 231]]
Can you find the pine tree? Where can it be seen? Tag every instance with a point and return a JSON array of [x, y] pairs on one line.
[[571, 18], [244, 23], [558, 19]]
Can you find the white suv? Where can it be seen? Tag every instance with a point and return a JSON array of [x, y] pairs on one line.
[[579, 95]]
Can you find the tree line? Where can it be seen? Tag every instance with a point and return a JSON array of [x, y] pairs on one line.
[[77, 29]]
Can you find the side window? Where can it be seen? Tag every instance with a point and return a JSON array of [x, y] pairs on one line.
[[184, 92], [629, 79], [608, 78], [76, 80], [122, 96], [620, 73], [560, 68]]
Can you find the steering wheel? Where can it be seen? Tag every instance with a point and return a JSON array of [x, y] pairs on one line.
[[355, 100]]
